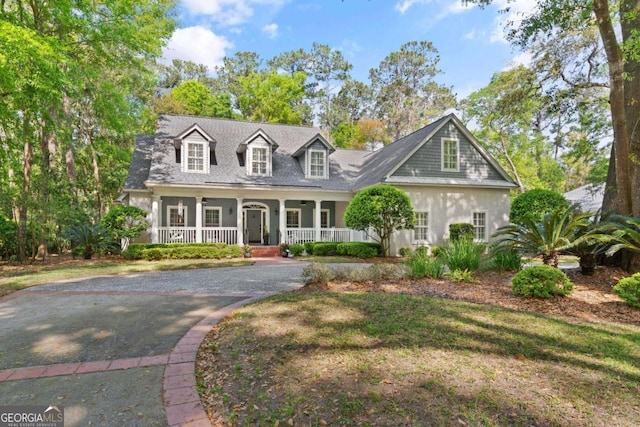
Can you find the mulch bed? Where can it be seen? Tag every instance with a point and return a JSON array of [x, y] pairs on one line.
[[591, 300]]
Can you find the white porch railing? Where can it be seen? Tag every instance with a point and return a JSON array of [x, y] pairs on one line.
[[176, 235], [302, 235], [228, 235]]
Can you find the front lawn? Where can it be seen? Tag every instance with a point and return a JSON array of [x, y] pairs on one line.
[[380, 359]]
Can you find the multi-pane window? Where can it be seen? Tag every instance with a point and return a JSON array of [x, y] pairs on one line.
[[421, 229], [316, 164], [176, 218], [259, 161], [480, 226], [212, 217], [293, 218], [450, 155], [195, 157], [324, 218]]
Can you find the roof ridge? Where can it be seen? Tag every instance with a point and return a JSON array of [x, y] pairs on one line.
[[238, 121]]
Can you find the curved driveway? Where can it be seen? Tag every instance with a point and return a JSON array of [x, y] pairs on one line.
[[120, 350]]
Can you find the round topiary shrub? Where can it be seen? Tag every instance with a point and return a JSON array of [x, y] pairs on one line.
[[535, 203], [629, 290], [541, 281]]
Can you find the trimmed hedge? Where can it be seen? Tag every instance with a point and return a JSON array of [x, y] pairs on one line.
[[357, 249], [157, 251], [308, 246], [629, 290], [325, 248], [461, 230]]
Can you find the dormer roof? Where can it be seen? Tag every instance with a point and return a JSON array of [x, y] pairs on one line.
[[243, 145], [317, 138]]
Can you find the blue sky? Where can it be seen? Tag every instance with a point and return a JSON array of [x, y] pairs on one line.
[[470, 40]]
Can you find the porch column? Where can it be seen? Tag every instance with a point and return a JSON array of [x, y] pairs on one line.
[[155, 202], [198, 219], [239, 224], [318, 221], [282, 221]]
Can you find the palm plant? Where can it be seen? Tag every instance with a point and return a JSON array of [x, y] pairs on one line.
[[91, 238], [556, 232]]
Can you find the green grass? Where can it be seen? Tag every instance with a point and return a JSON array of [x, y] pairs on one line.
[[384, 359], [14, 280], [332, 259]]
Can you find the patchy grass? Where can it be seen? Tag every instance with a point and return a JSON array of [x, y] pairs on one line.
[[331, 259], [388, 360], [16, 278]]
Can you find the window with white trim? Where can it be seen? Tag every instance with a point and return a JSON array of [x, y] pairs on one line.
[[195, 157], [293, 218], [450, 155], [324, 218], [421, 228], [317, 163], [175, 217], [480, 226], [259, 161], [212, 217]]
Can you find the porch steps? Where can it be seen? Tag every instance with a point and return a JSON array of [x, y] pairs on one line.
[[265, 251]]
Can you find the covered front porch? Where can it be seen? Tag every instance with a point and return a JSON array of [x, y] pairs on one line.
[[248, 220]]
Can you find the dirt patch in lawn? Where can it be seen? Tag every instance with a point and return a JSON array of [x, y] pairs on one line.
[[368, 354]]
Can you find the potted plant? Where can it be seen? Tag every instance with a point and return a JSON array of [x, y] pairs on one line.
[[247, 251], [284, 249], [265, 235]]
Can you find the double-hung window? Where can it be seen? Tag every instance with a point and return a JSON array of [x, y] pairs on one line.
[[450, 155], [212, 217], [317, 166], [293, 218], [195, 157], [421, 229], [259, 161], [480, 226], [176, 217]]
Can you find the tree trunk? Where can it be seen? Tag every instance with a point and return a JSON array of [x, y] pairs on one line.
[[618, 110], [550, 259], [27, 163]]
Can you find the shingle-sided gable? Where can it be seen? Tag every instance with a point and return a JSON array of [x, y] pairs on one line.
[[427, 161]]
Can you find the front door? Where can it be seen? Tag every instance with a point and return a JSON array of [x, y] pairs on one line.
[[254, 225]]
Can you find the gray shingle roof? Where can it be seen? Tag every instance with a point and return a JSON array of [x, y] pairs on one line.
[[154, 157]]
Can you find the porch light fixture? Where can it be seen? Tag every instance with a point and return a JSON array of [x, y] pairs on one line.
[[204, 201], [303, 203], [276, 211], [230, 211]]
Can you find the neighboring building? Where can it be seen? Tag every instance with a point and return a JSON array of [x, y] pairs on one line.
[[588, 197], [207, 179]]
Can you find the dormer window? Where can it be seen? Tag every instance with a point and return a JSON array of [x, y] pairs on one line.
[[195, 150], [259, 160], [317, 163], [195, 157]]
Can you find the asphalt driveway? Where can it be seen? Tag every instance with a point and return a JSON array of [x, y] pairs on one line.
[[119, 351]]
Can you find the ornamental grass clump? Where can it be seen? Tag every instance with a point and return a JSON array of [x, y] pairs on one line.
[[462, 254], [541, 281], [420, 265], [629, 290], [317, 274]]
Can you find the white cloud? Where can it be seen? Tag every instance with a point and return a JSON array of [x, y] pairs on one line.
[[271, 30], [523, 58], [471, 34], [229, 12], [404, 5], [197, 44]]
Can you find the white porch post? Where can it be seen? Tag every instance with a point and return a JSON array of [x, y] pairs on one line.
[[155, 202], [282, 221], [239, 224], [198, 219], [318, 220]]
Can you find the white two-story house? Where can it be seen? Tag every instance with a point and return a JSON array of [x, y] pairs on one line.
[[206, 179]]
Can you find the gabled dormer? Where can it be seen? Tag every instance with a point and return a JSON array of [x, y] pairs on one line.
[[195, 150], [314, 157], [257, 153]]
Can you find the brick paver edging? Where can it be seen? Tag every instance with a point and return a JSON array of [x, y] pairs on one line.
[[181, 400]]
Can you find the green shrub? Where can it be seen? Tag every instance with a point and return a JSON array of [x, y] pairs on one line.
[[534, 204], [506, 261], [77, 252], [134, 251], [308, 246], [357, 249], [296, 249], [461, 230], [422, 251], [629, 290], [421, 265], [325, 248], [460, 276], [318, 274], [191, 251], [462, 254], [404, 252], [541, 281]]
